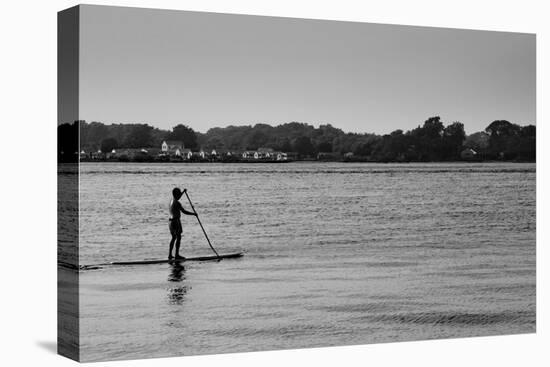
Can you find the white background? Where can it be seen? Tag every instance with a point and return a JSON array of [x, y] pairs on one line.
[[28, 181]]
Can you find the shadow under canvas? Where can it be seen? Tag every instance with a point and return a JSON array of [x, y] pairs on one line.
[[48, 345]]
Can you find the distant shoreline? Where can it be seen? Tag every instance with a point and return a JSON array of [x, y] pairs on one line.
[[304, 161], [430, 142]]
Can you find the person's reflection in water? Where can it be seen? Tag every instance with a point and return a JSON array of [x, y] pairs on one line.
[[177, 272], [176, 295]]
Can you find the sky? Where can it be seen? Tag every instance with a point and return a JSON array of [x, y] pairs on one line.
[[205, 70]]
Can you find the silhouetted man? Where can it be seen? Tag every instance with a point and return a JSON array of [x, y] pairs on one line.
[[175, 223]]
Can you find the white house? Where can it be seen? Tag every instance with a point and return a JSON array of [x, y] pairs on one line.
[[186, 153], [172, 147], [281, 156]]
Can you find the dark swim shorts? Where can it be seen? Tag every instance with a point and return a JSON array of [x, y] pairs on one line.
[[175, 226]]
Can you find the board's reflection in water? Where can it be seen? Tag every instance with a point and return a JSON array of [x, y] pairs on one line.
[[176, 295]]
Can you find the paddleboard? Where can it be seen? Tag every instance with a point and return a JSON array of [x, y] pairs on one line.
[[166, 261]]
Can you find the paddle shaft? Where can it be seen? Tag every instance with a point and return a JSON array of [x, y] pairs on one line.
[[198, 219]]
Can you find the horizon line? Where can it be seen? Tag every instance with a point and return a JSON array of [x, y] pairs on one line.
[[316, 126]]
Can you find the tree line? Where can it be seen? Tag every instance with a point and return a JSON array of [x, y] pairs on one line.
[[431, 141]]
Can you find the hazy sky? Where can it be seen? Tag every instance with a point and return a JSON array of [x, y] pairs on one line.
[[205, 70]]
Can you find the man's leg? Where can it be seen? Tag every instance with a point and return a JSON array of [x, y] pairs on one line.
[[178, 241], [172, 241]]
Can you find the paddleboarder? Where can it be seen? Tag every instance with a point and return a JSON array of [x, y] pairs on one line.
[[174, 222]]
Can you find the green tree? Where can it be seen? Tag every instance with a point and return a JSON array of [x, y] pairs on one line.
[[477, 141], [107, 145], [140, 136], [214, 143], [427, 140], [527, 149], [433, 128], [453, 138], [325, 147], [184, 133], [503, 139], [93, 133], [256, 140], [303, 146], [502, 128], [284, 145]]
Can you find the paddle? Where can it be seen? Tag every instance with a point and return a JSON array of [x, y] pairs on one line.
[[203, 231]]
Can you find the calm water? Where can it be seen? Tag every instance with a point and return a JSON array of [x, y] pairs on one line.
[[335, 254]]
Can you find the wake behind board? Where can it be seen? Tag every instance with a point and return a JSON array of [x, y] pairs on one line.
[[166, 261]]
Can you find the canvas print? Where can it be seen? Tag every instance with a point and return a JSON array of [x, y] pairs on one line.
[[235, 183]]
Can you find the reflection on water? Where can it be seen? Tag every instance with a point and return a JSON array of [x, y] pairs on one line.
[[177, 272], [336, 254], [176, 295]]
